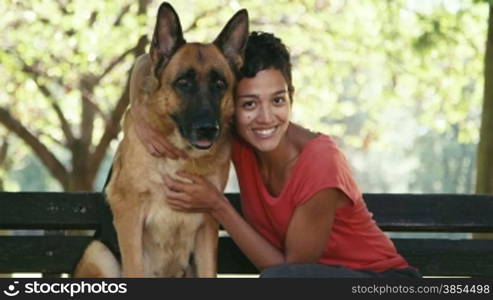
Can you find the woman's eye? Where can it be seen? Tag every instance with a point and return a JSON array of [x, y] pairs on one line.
[[279, 100], [248, 104]]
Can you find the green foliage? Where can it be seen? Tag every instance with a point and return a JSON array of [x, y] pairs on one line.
[[52, 50]]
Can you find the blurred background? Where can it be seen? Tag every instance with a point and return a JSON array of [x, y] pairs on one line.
[[401, 85]]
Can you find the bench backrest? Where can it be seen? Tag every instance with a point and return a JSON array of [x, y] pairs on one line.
[[416, 215]]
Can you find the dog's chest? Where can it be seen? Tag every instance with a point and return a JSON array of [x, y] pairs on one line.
[[162, 222], [169, 235], [161, 219]]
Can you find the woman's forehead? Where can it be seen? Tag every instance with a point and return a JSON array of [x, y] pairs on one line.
[[264, 82]]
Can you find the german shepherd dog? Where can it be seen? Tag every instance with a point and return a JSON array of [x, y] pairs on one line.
[[188, 91]]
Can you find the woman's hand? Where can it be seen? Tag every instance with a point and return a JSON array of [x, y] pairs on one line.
[[153, 140], [198, 196]]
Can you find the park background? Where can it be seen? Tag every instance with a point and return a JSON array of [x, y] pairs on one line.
[[403, 85]]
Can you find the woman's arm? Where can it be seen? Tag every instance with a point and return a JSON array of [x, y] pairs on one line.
[[307, 233], [258, 250], [306, 238], [154, 141], [311, 225]]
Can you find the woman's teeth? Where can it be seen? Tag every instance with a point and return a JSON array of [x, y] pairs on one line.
[[264, 133]]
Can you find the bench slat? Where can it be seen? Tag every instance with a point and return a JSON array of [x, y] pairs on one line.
[[426, 212], [44, 254], [57, 254], [393, 212], [33, 210], [60, 254], [448, 257], [432, 212]]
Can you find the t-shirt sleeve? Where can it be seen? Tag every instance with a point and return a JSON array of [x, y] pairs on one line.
[[325, 167]]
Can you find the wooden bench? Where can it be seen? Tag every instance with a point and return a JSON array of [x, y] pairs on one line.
[[394, 213]]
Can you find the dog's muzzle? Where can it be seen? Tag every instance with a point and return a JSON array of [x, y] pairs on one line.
[[204, 134]]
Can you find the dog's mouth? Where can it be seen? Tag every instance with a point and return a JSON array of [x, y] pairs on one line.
[[203, 144], [203, 136]]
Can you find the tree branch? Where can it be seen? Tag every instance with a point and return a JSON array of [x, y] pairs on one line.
[[113, 125], [66, 129], [90, 100], [202, 15], [114, 63], [35, 75], [87, 84], [55, 167], [4, 149], [62, 7], [124, 11], [50, 137]]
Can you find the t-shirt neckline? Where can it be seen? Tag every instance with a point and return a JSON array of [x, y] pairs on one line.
[[261, 183]]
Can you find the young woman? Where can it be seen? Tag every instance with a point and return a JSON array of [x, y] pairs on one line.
[[304, 214]]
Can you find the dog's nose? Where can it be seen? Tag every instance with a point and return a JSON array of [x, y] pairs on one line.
[[207, 131]]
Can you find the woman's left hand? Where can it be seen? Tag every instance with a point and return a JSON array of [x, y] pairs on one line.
[[198, 196]]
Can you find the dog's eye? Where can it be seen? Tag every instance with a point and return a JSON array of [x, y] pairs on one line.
[[220, 84], [183, 83]]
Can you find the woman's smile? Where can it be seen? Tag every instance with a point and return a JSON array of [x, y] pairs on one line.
[[264, 133]]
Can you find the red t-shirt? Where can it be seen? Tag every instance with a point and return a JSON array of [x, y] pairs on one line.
[[355, 241]]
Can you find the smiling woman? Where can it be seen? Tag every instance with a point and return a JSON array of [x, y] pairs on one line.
[[304, 214]]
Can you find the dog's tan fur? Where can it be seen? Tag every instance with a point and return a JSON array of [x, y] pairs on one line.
[[155, 240]]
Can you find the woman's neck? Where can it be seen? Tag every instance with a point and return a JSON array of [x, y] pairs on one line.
[[282, 157]]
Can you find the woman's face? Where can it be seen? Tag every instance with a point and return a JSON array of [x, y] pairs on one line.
[[262, 109]]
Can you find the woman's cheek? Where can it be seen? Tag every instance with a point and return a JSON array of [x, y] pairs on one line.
[[243, 118]]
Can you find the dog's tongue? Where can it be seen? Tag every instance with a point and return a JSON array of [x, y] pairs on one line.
[[204, 143]]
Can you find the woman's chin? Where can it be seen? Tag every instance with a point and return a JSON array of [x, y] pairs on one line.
[[264, 145]]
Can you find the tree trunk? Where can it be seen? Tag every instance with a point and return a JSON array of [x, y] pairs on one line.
[[484, 175], [484, 178]]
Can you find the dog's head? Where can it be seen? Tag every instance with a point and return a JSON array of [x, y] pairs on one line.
[[194, 81]]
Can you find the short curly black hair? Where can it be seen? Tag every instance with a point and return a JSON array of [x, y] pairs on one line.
[[264, 51]]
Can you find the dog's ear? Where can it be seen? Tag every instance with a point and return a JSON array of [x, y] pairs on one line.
[[233, 38], [167, 38]]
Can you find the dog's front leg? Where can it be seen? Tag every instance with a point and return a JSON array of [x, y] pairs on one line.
[[129, 223], [205, 254]]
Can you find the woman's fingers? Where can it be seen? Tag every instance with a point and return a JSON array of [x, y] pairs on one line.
[[177, 196], [176, 185], [181, 208], [168, 150], [176, 205], [183, 204], [197, 196], [178, 200], [192, 177], [155, 142], [161, 144]]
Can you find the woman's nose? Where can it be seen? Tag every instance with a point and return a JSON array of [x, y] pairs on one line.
[[265, 114]]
